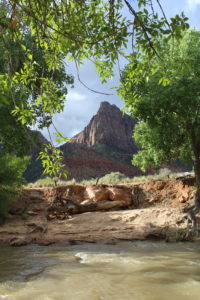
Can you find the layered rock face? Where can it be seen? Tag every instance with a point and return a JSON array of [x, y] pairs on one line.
[[109, 127]]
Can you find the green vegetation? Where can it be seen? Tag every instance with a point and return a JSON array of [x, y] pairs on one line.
[[51, 159], [34, 170], [11, 172], [168, 109], [112, 178]]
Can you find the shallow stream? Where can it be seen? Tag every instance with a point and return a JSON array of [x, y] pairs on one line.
[[138, 271]]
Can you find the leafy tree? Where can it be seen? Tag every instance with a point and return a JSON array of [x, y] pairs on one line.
[[11, 171], [166, 103], [30, 90], [17, 91]]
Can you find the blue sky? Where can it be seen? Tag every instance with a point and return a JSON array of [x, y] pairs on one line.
[[82, 104]]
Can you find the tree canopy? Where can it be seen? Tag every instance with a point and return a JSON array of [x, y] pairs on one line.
[[166, 103]]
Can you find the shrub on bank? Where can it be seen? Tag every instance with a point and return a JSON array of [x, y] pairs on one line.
[[11, 178], [114, 178]]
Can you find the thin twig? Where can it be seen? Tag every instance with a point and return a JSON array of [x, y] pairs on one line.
[[164, 16], [94, 91], [151, 4], [54, 126], [50, 138]]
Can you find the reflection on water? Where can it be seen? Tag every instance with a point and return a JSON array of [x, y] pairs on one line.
[[139, 271]]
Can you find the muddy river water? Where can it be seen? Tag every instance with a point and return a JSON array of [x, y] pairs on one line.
[[138, 271]]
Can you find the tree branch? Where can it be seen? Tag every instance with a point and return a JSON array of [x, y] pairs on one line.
[[94, 91], [65, 34], [143, 28]]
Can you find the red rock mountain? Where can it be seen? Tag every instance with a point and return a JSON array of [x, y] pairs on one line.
[[105, 145], [109, 127]]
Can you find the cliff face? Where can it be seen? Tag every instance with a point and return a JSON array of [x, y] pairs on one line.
[[109, 127]]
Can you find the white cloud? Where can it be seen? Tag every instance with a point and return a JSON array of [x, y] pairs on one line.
[[192, 4], [75, 96]]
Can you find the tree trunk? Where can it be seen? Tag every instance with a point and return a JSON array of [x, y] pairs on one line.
[[74, 208], [197, 177], [197, 171], [196, 150], [191, 214]]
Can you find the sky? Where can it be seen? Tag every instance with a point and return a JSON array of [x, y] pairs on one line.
[[81, 104]]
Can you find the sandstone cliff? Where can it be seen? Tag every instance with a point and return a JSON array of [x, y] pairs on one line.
[[109, 127], [105, 145]]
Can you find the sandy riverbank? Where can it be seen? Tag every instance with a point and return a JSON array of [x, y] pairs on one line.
[[150, 210]]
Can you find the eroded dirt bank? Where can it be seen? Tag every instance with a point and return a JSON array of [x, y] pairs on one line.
[[140, 211]]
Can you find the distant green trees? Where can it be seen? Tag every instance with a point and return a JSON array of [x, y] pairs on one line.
[[113, 178]]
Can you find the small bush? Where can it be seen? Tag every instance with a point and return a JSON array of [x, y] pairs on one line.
[[164, 173], [113, 178]]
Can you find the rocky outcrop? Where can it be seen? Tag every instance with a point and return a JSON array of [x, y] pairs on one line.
[[110, 127]]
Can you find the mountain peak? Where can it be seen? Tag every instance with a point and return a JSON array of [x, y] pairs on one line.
[[110, 127], [106, 104]]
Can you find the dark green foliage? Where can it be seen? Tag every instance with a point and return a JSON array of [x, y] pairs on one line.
[[11, 178], [34, 170]]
